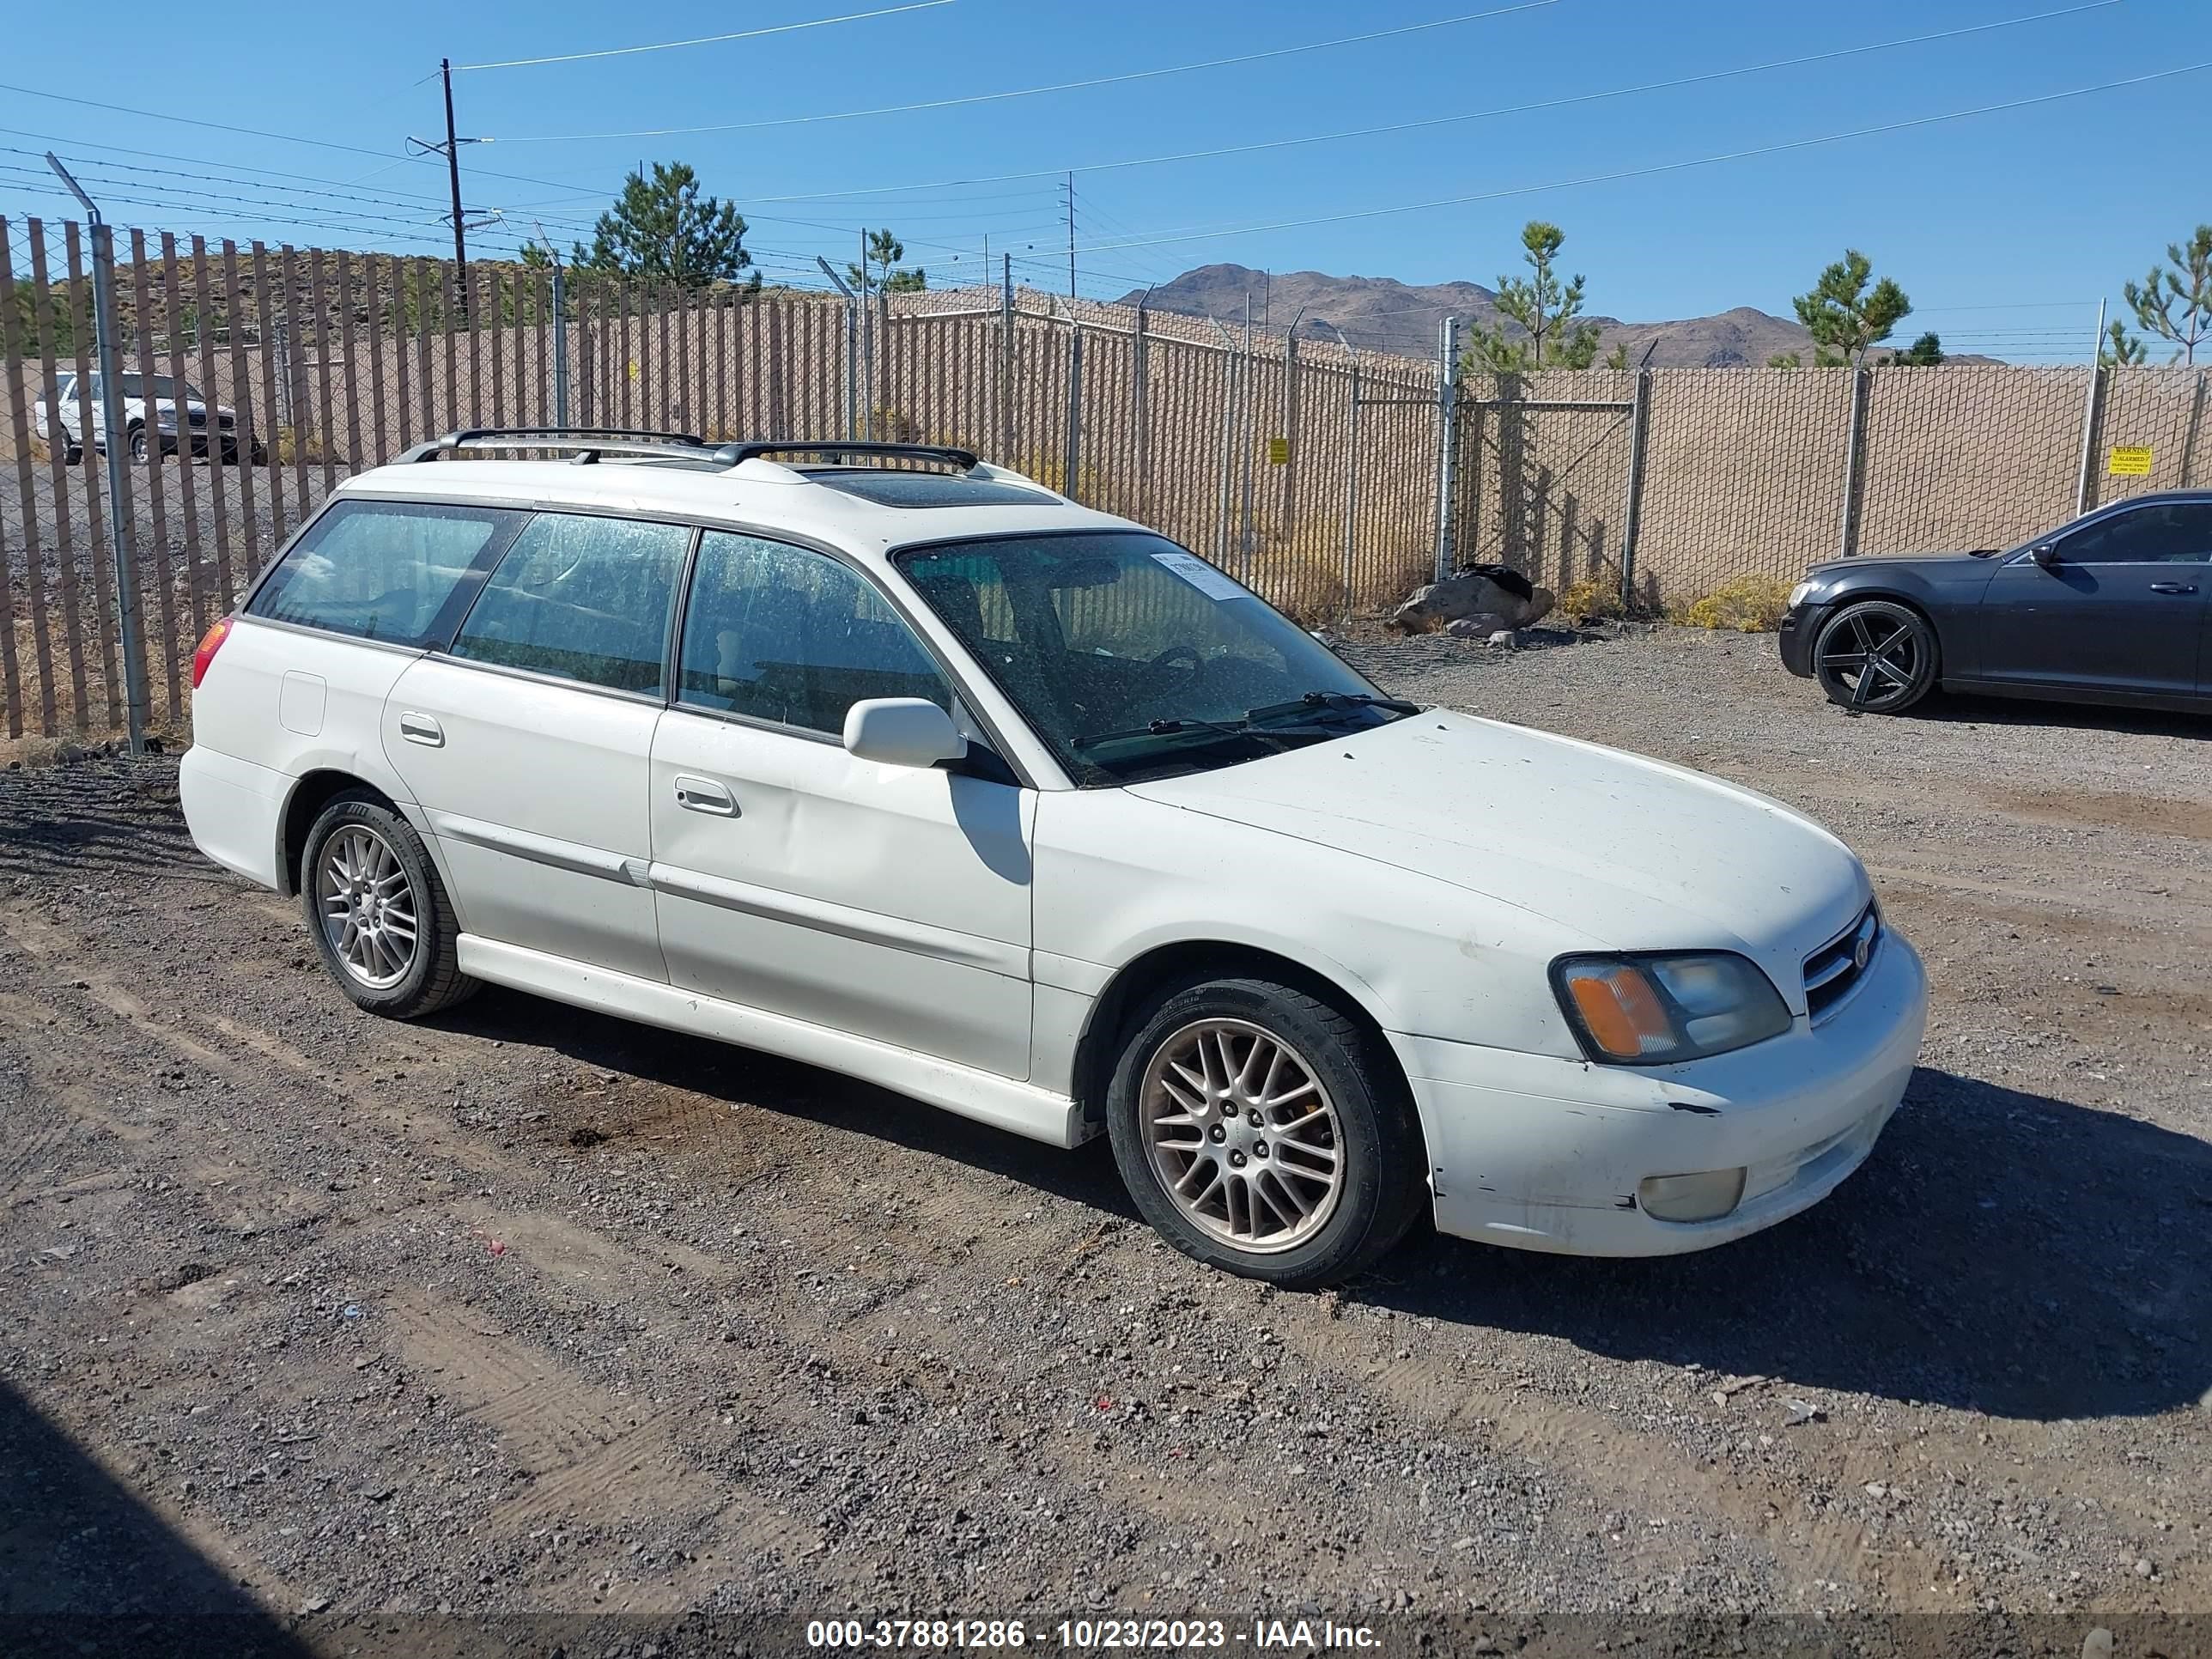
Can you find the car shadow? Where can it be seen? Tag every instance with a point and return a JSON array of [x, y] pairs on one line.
[[2003, 1252], [87, 1568], [724, 1072], [1965, 708]]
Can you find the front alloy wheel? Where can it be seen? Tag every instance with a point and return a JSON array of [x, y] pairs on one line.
[[1242, 1136], [1876, 656], [1266, 1130]]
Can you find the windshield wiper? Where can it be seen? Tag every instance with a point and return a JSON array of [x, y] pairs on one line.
[[1315, 702], [1168, 728]]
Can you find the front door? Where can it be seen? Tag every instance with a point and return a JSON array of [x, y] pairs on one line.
[[529, 745], [2120, 607], [892, 902]]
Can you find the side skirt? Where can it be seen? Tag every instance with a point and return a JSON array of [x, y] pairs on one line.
[[1000, 1102]]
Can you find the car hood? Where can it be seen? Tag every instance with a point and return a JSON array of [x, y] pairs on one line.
[[1942, 569], [1624, 852]]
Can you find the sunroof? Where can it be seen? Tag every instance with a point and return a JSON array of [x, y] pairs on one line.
[[887, 487]]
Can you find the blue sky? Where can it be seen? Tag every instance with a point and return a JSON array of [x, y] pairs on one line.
[[2005, 228]]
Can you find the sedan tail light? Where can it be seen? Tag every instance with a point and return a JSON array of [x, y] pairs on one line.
[[210, 642]]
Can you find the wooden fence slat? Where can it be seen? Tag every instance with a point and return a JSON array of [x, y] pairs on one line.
[[48, 309], [353, 368], [34, 580], [447, 319], [196, 572], [325, 422], [89, 474], [428, 428], [211, 391], [255, 433], [269, 329], [373, 303], [156, 487]]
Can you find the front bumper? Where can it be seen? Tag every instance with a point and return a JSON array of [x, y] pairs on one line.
[[1794, 638], [1545, 1154]]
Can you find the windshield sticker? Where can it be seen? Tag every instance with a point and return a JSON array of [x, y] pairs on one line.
[[1200, 576]]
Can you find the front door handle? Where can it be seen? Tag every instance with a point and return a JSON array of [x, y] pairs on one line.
[[2174, 587], [421, 728], [700, 795]]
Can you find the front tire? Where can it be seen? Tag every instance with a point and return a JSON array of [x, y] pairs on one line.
[[1263, 1130], [138, 447], [377, 912], [1875, 657]]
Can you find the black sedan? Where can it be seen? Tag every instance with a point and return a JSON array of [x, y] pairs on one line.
[[2114, 608]]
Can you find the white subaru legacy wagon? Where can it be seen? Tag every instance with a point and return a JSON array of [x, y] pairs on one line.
[[904, 766]]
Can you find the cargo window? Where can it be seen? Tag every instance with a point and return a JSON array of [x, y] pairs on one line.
[[395, 571]]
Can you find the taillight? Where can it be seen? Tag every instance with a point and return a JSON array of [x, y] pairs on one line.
[[210, 642]]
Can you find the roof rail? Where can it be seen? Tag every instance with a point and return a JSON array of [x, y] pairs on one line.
[[589, 442], [732, 454]]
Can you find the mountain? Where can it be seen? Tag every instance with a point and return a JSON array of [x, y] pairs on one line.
[[1379, 313]]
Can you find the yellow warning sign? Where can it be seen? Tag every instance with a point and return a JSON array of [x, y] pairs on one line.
[[2130, 462], [1278, 451]]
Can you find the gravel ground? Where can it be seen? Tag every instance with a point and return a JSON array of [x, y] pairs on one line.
[[332, 1325]]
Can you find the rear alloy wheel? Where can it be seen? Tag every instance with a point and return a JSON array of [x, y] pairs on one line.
[[378, 911], [1260, 1130], [1876, 656]]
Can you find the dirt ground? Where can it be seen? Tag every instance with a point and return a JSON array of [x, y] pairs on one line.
[[349, 1333]]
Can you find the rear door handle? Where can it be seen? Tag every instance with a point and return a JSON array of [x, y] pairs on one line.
[[421, 728], [700, 795], [2174, 587]]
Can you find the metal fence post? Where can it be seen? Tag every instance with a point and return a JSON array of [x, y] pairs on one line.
[[852, 351], [1006, 358], [119, 478], [2085, 482], [1847, 539], [1074, 459], [1140, 396], [1291, 413], [1447, 440], [1639, 413], [560, 346]]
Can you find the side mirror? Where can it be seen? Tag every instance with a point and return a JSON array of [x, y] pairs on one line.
[[2044, 554], [901, 731]]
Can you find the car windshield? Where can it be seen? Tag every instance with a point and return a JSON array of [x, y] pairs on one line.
[[1133, 658], [134, 385]]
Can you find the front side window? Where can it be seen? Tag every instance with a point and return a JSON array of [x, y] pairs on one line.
[[1134, 658], [396, 571], [581, 598], [2166, 532], [793, 637]]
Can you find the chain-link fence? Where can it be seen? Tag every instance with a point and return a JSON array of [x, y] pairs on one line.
[[256, 378]]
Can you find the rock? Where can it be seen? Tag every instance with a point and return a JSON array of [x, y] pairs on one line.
[[313, 1604], [2097, 1645], [1802, 1411], [1503, 639], [1485, 591], [1876, 1489], [1478, 627], [2143, 1567]]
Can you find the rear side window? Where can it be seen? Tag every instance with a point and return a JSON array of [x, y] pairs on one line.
[[581, 598], [780, 634], [396, 571]]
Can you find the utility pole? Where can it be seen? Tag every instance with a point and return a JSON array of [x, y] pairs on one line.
[[1071, 234], [453, 178]]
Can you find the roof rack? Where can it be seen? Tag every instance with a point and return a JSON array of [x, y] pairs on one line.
[[589, 442], [732, 454]]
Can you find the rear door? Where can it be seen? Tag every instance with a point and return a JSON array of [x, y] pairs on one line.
[[528, 745], [2121, 608], [888, 901]]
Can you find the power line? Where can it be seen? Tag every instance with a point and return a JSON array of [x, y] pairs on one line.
[[1033, 92], [1472, 115], [1204, 235], [704, 40], [194, 121]]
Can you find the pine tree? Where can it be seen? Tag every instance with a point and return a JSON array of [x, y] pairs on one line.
[[1545, 309], [1845, 316], [2119, 349], [2186, 281], [885, 252], [664, 228]]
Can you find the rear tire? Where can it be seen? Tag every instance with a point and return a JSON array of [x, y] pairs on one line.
[[377, 912], [1264, 1131], [1875, 657]]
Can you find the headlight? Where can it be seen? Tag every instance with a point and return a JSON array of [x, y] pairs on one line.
[[1656, 1009], [1802, 592]]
